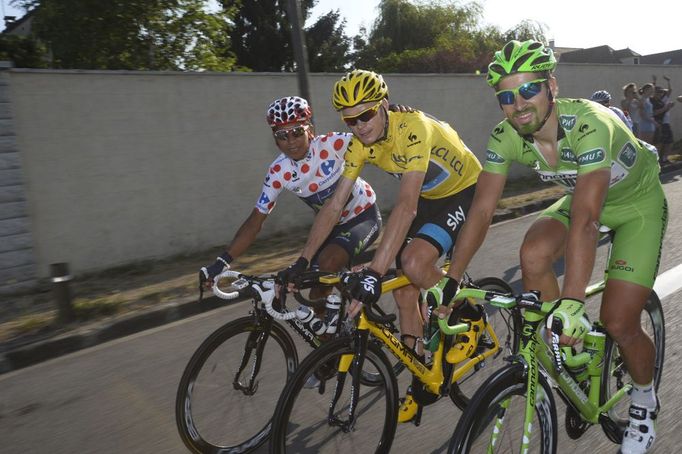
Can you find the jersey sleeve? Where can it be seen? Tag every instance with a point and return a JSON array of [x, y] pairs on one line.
[[499, 152], [354, 159], [272, 187], [591, 142]]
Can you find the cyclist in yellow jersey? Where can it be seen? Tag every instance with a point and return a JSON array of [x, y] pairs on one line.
[[437, 175]]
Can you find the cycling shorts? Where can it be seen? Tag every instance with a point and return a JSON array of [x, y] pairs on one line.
[[639, 227], [355, 235], [438, 221]]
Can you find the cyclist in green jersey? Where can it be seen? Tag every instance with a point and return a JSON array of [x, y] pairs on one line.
[[611, 179]]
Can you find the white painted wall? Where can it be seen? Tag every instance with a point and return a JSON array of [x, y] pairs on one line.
[[128, 166]]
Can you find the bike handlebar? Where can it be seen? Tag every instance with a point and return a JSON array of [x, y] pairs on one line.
[[561, 355]]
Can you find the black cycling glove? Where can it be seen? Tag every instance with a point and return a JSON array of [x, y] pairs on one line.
[[289, 274], [365, 286], [207, 273]]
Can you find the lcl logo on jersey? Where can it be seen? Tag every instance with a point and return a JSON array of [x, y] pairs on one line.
[[454, 220]]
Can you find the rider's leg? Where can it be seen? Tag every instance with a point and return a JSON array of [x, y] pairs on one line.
[[543, 244], [418, 262], [621, 310], [332, 258]]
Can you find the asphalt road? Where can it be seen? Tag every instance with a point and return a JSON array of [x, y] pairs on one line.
[[119, 396]]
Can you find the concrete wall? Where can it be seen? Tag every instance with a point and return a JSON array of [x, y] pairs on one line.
[[126, 166]]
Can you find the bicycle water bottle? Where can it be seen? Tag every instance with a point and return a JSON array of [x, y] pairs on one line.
[[595, 344], [333, 306], [308, 317]]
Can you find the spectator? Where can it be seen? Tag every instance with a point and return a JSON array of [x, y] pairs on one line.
[[647, 124], [662, 105], [630, 105], [603, 97]]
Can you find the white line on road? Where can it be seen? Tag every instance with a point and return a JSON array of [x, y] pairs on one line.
[[669, 282]]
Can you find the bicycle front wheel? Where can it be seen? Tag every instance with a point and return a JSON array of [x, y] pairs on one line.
[[226, 395], [309, 419], [506, 324], [494, 420], [615, 374]]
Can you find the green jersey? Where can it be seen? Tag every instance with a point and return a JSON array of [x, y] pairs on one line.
[[590, 137]]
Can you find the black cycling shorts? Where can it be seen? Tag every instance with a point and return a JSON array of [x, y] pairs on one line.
[[438, 221], [355, 235]]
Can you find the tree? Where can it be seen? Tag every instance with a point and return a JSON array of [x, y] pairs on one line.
[[261, 38], [434, 37], [23, 51], [328, 45], [133, 34]]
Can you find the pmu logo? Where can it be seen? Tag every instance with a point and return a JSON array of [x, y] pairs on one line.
[[622, 265], [454, 220], [567, 121]]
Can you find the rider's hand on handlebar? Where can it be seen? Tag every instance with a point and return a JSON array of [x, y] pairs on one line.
[[364, 287], [287, 276], [207, 273], [568, 319]]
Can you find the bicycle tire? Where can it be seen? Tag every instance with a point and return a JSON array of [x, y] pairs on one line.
[[614, 371], [300, 422], [507, 326], [232, 421], [507, 386]]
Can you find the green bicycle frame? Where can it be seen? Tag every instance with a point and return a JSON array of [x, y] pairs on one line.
[[535, 352]]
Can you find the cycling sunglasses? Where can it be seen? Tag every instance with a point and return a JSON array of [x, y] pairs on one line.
[[364, 116], [527, 91], [283, 134]]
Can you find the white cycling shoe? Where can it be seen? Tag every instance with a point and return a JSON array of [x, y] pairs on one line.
[[640, 434]]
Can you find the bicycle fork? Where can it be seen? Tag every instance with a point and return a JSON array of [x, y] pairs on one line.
[[257, 340], [354, 363]]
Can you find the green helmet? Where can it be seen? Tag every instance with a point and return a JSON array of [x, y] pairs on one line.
[[358, 86], [520, 57]]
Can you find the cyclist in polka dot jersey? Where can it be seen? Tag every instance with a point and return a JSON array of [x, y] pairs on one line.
[[309, 166]]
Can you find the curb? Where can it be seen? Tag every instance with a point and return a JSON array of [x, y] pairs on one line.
[[34, 351]]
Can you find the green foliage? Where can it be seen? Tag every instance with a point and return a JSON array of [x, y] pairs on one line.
[[133, 34], [433, 37], [328, 46], [261, 37], [24, 51]]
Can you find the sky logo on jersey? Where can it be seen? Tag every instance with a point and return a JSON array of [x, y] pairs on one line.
[[567, 155], [567, 122], [264, 199], [592, 157], [455, 219], [628, 155], [493, 157]]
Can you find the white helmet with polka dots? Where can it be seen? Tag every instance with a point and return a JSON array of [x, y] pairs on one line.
[[287, 110]]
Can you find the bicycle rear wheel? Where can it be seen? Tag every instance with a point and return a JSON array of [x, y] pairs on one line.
[[615, 374], [506, 325], [216, 411], [494, 420], [302, 418]]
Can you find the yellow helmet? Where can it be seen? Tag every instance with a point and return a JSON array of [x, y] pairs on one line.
[[358, 86]]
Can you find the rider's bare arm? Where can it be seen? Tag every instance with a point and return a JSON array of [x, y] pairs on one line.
[[583, 234], [399, 222], [488, 192], [327, 217], [246, 234]]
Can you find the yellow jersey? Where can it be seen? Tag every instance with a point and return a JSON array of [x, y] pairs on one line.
[[418, 142]]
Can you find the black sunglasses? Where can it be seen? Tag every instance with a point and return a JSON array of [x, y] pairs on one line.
[[283, 134], [364, 117]]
